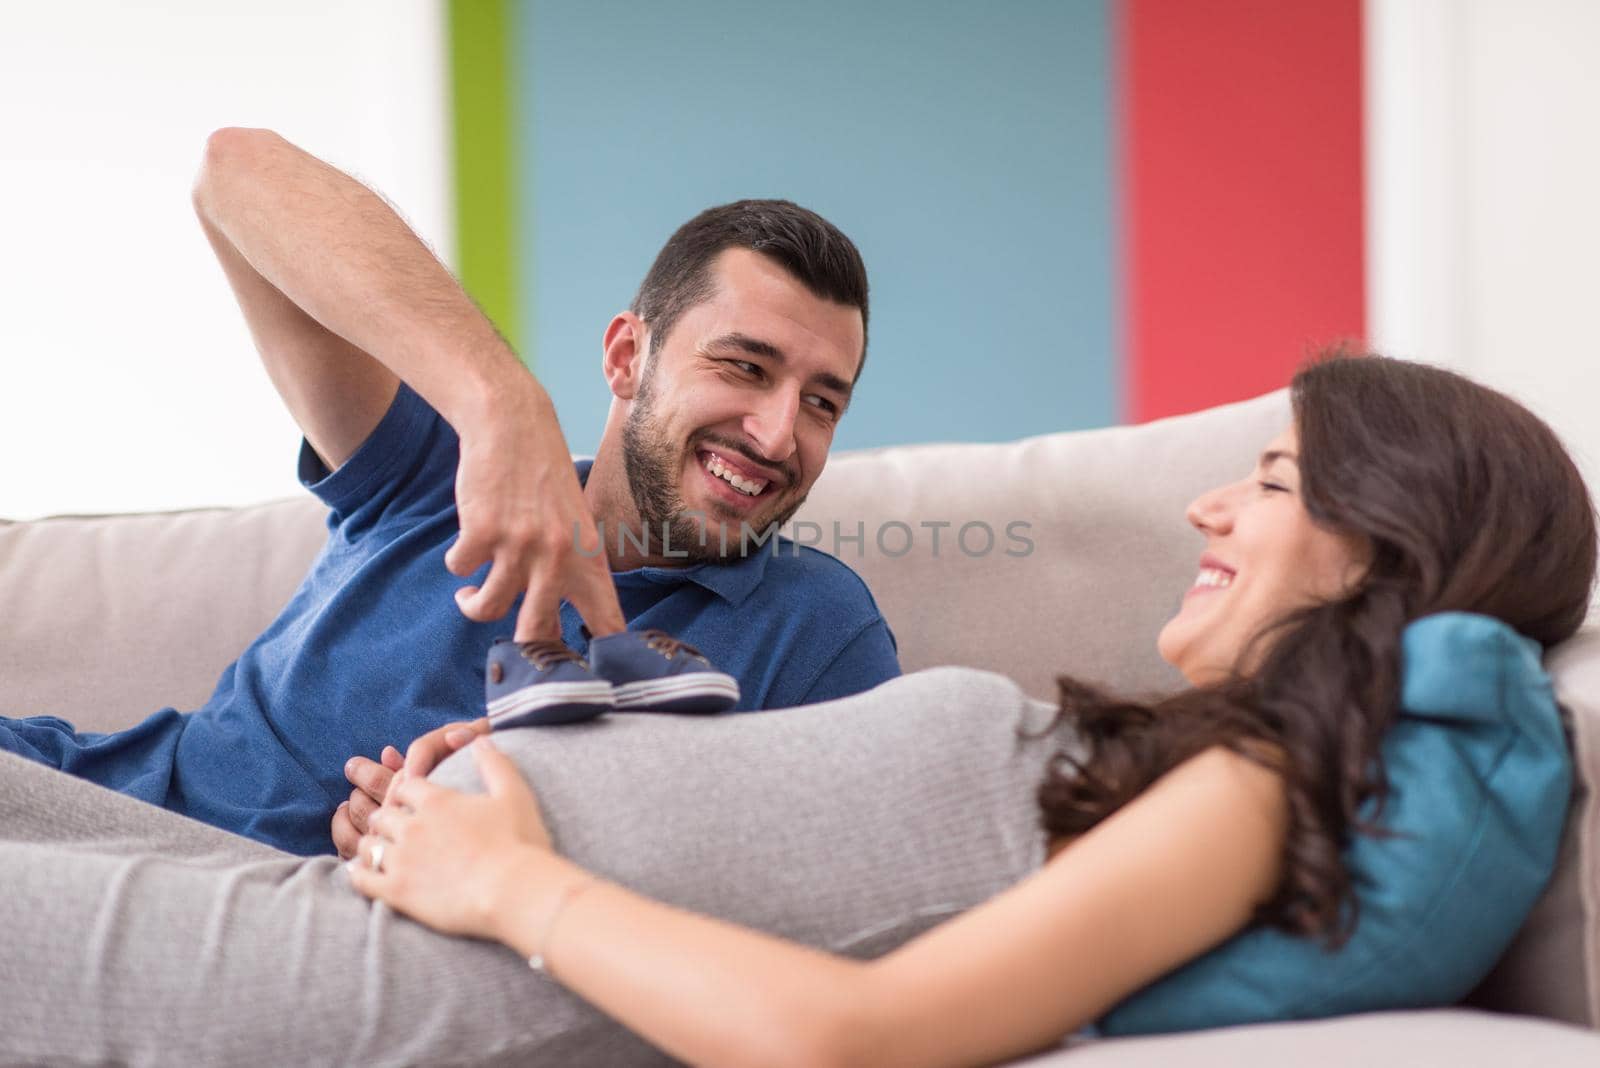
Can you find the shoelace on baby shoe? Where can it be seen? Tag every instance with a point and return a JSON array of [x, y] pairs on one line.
[[545, 652], [668, 646]]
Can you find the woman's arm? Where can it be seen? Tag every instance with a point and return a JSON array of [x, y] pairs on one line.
[[1173, 873]]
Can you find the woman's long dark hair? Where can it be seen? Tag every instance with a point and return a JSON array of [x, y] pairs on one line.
[[1468, 502]]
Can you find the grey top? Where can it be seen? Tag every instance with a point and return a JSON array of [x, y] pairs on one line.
[[136, 936], [852, 824]]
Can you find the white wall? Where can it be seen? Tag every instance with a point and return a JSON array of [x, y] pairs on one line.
[[127, 378], [1484, 197]]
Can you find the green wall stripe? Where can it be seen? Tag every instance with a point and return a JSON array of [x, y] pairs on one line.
[[482, 113]]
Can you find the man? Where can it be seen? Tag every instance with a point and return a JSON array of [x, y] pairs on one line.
[[440, 459]]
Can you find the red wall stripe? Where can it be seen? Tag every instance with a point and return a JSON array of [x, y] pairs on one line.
[[1242, 161]]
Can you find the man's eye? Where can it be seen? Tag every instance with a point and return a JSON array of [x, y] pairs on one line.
[[1273, 487], [823, 403], [747, 367]]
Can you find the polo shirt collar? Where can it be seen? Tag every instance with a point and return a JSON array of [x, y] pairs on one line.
[[733, 581]]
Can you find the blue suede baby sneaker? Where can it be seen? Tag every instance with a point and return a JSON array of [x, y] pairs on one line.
[[650, 670], [541, 683]]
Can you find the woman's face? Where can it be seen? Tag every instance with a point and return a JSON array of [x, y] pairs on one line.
[[1263, 558]]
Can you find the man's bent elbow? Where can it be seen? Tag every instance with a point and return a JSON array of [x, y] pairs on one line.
[[234, 142], [227, 150]]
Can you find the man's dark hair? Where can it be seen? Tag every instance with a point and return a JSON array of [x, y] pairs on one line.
[[805, 244]]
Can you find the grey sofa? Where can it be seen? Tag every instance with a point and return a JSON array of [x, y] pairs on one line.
[[1061, 553]]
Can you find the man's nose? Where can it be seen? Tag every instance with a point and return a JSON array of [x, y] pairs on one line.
[[770, 425]]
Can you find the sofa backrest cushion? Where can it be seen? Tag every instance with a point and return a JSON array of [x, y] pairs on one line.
[[1107, 558], [1553, 966], [168, 600], [110, 618], [1479, 777]]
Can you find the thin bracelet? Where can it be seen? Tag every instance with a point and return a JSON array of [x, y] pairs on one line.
[[569, 894]]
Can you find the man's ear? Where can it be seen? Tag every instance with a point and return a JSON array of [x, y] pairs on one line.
[[627, 346]]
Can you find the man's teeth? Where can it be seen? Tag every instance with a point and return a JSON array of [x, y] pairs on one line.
[[743, 485], [1210, 576]]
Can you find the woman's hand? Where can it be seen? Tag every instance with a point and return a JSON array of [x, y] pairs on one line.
[[371, 779], [451, 860]]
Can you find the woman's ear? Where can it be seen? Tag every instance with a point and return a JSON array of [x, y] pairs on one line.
[[1358, 569], [627, 345]]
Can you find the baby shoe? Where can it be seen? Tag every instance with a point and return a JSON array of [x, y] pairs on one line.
[[650, 670], [541, 683]]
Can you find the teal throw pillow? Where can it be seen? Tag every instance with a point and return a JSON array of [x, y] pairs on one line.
[[1480, 777]]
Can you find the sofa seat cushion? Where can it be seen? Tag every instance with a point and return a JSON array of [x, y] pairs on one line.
[[1431, 1038]]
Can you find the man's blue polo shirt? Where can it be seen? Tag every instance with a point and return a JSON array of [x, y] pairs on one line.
[[371, 650]]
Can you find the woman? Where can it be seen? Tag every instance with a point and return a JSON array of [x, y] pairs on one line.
[[1399, 491], [882, 892]]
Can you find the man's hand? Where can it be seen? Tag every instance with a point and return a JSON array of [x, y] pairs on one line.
[[522, 511], [372, 780]]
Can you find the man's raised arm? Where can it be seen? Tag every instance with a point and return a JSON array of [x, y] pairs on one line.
[[343, 301]]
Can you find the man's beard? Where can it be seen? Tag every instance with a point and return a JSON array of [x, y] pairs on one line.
[[653, 466]]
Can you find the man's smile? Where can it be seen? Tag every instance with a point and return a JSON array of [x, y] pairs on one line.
[[731, 490], [741, 478]]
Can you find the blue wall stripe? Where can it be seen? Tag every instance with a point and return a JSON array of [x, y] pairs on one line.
[[967, 148]]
